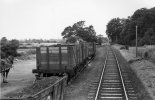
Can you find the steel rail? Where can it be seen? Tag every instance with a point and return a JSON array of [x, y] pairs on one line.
[[124, 89], [98, 88]]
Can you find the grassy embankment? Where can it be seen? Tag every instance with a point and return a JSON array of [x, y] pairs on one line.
[[142, 69], [145, 52]]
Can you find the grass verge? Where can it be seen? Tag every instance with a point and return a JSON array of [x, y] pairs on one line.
[[137, 84]]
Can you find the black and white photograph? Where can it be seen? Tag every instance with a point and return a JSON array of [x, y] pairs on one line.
[[77, 49]]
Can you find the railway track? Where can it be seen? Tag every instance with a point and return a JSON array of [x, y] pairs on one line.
[[113, 83]]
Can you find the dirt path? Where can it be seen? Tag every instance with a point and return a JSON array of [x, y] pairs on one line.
[[79, 87], [19, 76]]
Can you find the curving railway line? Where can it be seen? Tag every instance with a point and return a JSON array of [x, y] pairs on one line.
[[113, 83]]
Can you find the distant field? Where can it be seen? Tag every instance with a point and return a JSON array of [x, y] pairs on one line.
[[26, 50], [31, 45], [30, 48]]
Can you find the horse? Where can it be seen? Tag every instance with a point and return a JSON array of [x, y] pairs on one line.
[[6, 64]]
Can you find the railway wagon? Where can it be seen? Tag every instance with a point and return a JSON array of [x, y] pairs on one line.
[[91, 49], [60, 59]]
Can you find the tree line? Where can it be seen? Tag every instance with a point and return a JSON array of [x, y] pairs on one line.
[[40, 41], [123, 30]]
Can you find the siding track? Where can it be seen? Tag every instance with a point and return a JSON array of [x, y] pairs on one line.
[[113, 83]]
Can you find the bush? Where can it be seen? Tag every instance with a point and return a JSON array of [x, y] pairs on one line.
[[126, 47], [146, 55], [123, 47], [149, 54]]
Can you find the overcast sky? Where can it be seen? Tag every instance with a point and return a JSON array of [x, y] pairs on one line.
[[46, 19]]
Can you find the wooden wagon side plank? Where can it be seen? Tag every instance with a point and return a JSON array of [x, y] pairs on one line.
[[38, 57], [60, 57], [47, 57]]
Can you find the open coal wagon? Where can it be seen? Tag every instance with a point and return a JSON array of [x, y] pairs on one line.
[[60, 59]]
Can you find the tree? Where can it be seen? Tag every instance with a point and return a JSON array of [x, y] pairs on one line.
[[9, 47], [144, 19], [114, 28], [147, 37], [13, 44], [79, 31], [123, 30], [4, 41]]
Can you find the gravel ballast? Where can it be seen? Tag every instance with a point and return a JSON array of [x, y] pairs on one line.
[[79, 87]]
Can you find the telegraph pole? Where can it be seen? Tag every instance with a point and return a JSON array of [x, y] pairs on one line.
[[136, 40]]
